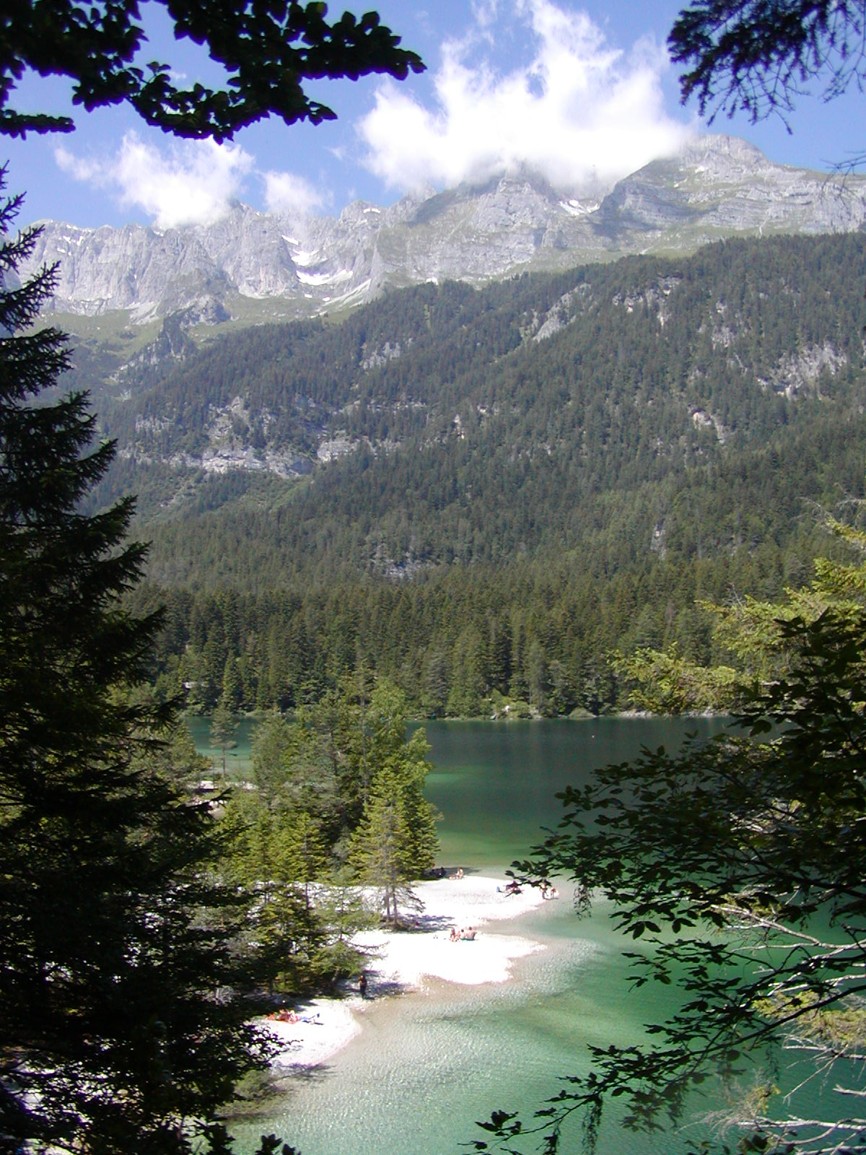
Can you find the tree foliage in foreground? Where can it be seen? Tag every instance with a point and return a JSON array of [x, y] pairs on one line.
[[123, 1015], [756, 56], [739, 867], [752, 634], [265, 55], [123, 1021]]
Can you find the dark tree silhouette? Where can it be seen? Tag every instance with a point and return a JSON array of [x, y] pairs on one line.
[[123, 1024], [756, 56], [268, 51]]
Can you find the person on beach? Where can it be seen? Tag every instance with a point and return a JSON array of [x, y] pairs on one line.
[[284, 1015], [362, 985]]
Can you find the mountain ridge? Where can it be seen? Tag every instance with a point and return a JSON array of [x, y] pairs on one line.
[[436, 366], [255, 266], [460, 487]]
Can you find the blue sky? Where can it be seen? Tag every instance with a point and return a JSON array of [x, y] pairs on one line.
[[580, 90]]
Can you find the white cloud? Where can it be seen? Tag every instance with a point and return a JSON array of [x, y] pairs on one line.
[[290, 194], [191, 182], [581, 112]]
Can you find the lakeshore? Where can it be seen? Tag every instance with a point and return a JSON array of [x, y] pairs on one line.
[[410, 1072], [408, 960]]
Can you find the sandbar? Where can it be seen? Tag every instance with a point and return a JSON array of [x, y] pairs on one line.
[[406, 959]]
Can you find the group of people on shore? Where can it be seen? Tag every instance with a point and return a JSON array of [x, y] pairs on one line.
[[467, 934]]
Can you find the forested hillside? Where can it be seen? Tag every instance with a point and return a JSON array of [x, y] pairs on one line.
[[481, 493]]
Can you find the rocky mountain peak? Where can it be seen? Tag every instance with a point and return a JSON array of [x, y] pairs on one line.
[[716, 186]]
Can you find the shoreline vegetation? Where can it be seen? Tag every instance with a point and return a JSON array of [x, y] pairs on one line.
[[235, 756], [407, 960]]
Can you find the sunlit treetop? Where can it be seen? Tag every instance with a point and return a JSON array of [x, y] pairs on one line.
[[269, 50]]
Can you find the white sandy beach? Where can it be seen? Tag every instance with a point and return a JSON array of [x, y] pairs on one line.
[[404, 960]]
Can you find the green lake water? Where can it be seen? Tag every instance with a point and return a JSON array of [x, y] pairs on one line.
[[237, 754], [427, 1065]]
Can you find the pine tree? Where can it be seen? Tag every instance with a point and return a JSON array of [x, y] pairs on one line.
[[380, 853], [272, 739], [223, 728], [112, 943], [396, 842]]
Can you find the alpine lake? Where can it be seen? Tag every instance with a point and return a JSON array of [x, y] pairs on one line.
[[428, 1064]]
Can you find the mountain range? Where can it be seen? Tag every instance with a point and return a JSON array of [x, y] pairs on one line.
[[249, 266], [553, 447], [464, 488], [447, 423]]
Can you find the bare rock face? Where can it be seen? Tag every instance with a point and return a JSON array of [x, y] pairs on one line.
[[717, 186], [253, 253], [722, 186]]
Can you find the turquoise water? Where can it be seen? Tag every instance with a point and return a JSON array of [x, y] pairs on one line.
[[495, 782], [426, 1066], [237, 755]]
